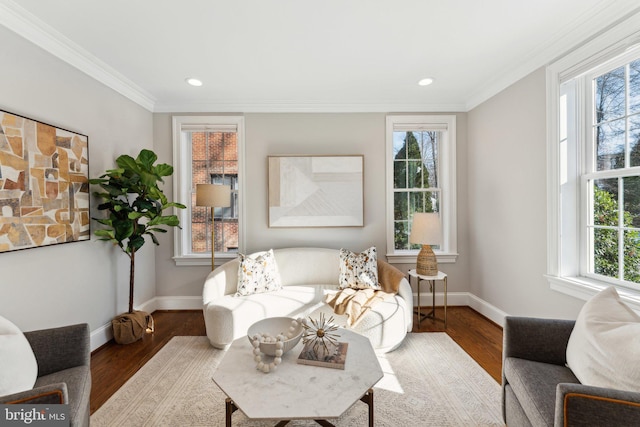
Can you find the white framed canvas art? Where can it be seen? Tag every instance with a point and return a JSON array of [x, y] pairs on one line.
[[316, 191]]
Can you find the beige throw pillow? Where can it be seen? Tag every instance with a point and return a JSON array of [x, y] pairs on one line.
[[605, 343]]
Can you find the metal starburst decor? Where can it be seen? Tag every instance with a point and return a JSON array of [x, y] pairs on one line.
[[320, 333]]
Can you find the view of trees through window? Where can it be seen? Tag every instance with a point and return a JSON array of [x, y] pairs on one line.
[[415, 179], [616, 196]]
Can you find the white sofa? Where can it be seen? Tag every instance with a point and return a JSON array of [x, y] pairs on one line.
[[307, 275]]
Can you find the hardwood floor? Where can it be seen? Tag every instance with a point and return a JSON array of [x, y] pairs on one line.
[[113, 364]]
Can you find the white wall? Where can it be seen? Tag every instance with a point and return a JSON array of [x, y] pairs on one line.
[[82, 281], [306, 134], [507, 203]]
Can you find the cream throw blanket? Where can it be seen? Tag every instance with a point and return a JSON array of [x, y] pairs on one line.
[[355, 303]]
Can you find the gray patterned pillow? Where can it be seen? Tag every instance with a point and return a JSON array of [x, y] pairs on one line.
[[259, 274], [359, 271]]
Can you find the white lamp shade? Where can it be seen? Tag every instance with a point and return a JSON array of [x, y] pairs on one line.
[[213, 195], [426, 229]]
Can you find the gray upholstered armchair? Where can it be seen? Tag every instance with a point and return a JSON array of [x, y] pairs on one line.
[[64, 376], [538, 389]]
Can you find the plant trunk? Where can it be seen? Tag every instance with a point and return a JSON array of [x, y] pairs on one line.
[[132, 270]]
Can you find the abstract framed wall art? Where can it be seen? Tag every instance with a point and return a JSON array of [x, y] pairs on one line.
[[316, 191], [44, 184]]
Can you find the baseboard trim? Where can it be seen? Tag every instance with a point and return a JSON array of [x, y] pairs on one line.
[[464, 299], [489, 311], [101, 336]]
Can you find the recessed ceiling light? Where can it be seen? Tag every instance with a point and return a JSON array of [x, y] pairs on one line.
[[426, 82], [194, 82]]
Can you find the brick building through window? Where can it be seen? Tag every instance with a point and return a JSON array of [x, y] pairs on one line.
[[214, 161]]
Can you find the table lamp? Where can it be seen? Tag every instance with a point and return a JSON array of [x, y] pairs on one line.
[[426, 231], [213, 196]]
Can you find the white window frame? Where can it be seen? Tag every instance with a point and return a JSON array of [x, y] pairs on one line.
[[447, 253], [567, 197], [183, 187]]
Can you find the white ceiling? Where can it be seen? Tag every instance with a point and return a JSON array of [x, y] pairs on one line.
[[298, 55]]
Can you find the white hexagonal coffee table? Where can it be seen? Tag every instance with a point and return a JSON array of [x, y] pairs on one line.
[[296, 391]]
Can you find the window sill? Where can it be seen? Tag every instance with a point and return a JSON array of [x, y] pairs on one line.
[[202, 260], [410, 258], [584, 288]]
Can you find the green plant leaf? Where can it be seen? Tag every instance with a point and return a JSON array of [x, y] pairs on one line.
[[136, 243], [127, 164], [96, 181], [156, 229], [124, 229], [164, 170], [103, 232], [154, 239], [174, 205], [148, 179], [135, 215], [155, 193], [147, 158]]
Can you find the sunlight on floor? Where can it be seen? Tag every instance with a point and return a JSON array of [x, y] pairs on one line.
[[390, 380]]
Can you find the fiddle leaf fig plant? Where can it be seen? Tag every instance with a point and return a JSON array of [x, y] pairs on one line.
[[135, 204]]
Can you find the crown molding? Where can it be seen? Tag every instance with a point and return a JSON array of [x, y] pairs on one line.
[[575, 34], [38, 32], [283, 107]]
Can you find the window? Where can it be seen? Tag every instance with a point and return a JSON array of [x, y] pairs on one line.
[[612, 173], [208, 149], [420, 178], [594, 167]]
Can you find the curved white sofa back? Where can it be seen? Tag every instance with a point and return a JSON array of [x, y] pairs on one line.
[[297, 266]]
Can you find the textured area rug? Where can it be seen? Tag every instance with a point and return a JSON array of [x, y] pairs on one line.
[[429, 381]]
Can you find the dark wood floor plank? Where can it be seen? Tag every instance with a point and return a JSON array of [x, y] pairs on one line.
[[113, 364]]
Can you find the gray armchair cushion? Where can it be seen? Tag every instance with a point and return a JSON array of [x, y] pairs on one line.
[[534, 385]]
